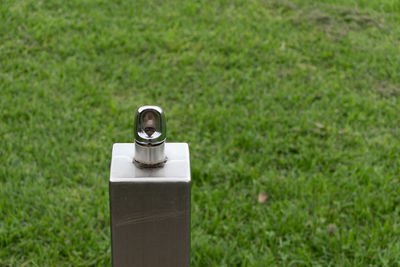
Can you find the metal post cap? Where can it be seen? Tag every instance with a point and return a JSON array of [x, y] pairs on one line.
[[150, 135], [150, 127]]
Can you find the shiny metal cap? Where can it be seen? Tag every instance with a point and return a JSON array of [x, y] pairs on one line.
[[150, 127], [150, 134]]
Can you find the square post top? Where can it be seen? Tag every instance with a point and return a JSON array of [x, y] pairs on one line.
[[176, 169]]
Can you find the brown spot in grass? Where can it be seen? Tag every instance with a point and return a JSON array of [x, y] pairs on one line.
[[331, 228], [336, 22], [283, 5], [387, 90]]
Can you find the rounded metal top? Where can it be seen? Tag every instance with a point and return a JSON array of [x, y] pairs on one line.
[[149, 126]]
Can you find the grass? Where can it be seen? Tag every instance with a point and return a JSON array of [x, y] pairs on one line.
[[295, 99]]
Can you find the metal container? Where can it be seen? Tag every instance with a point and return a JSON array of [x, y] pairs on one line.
[[150, 205]]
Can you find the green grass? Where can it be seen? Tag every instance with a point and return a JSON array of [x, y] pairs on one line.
[[296, 99]]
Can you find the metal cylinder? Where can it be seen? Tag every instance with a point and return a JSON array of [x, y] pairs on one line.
[[149, 156]]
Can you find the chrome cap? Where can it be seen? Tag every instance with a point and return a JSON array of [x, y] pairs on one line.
[[150, 127], [150, 134]]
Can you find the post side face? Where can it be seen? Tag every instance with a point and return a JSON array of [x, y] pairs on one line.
[[150, 209], [150, 224]]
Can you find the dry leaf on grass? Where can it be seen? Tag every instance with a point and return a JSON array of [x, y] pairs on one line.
[[262, 197]]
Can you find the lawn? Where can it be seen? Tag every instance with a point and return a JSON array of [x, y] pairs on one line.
[[296, 100]]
